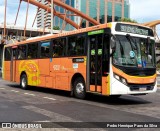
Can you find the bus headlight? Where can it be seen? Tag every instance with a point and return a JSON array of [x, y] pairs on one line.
[[124, 81], [117, 77], [121, 79]]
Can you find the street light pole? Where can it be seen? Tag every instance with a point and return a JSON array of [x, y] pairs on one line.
[[5, 18], [106, 11], [113, 10], [26, 19], [87, 11], [51, 16], [98, 10]]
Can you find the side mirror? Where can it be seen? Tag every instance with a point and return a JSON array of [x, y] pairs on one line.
[[148, 40], [147, 44], [113, 42]]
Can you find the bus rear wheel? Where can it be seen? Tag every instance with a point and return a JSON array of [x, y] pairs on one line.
[[24, 82], [79, 88]]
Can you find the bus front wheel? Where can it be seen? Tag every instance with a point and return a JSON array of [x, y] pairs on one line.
[[79, 88], [23, 82]]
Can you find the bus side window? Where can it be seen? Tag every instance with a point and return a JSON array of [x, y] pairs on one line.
[[59, 47], [22, 52], [55, 48], [63, 44], [80, 41], [71, 46], [76, 45], [32, 50], [7, 56], [45, 49]]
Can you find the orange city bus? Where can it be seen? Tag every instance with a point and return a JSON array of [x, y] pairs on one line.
[[110, 59]]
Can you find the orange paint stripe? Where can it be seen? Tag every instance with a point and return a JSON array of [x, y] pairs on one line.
[[135, 79]]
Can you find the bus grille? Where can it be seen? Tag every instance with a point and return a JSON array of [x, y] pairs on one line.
[[147, 87]]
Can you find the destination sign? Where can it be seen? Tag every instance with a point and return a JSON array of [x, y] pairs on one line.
[[78, 60], [134, 29], [95, 32]]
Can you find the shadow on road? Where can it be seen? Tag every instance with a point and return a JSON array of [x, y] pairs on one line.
[[123, 100]]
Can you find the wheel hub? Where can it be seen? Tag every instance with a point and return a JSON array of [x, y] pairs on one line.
[[80, 88], [23, 82]]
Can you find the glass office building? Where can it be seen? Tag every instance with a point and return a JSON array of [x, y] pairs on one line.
[[59, 22], [101, 10], [104, 10]]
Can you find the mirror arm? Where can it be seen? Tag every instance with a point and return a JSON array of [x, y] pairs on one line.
[[113, 41]]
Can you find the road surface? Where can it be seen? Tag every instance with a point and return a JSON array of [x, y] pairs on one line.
[[46, 105]]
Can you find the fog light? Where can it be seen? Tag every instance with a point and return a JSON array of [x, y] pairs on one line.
[[124, 81]]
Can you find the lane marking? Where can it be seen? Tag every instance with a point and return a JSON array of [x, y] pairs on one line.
[[49, 98], [14, 91], [2, 88], [43, 121], [29, 94], [53, 116]]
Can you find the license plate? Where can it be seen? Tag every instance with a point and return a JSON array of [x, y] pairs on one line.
[[143, 89]]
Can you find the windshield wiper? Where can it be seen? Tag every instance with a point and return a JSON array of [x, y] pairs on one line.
[[121, 47], [133, 44]]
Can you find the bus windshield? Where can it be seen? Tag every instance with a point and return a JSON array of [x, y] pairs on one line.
[[134, 52]]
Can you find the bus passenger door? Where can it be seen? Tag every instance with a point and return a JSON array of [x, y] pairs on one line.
[[95, 62], [13, 64]]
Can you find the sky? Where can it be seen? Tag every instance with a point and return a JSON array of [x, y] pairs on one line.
[[145, 11], [140, 10], [12, 7]]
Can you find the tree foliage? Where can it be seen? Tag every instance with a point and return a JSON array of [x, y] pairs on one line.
[[56, 28], [128, 20]]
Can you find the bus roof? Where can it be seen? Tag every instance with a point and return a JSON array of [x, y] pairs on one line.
[[83, 30]]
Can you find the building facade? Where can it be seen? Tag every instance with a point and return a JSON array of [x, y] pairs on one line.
[[102, 10], [43, 17], [59, 22], [16, 33]]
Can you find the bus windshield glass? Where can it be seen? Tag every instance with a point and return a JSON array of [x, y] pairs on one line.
[[134, 52]]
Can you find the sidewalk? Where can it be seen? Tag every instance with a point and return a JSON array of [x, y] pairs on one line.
[[158, 80], [0, 71]]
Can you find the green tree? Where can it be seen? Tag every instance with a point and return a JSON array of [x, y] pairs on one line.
[[128, 20], [56, 28]]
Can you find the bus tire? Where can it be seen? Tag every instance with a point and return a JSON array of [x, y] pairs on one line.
[[24, 82], [79, 88]]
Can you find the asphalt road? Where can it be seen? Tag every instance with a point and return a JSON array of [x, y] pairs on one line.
[[46, 105], [158, 79]]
